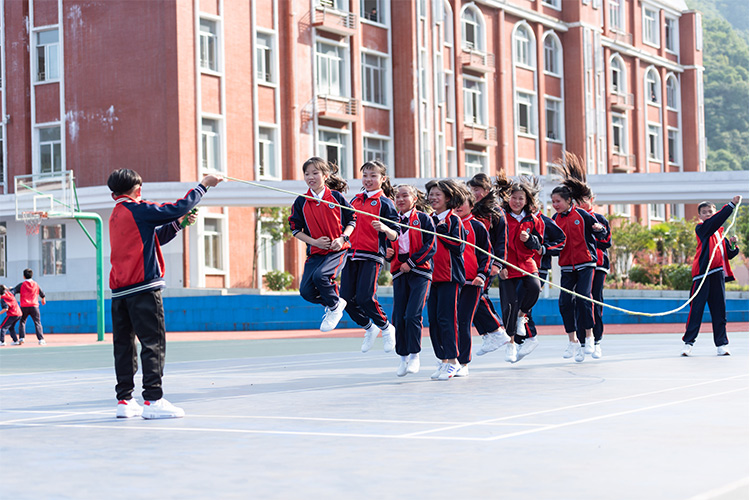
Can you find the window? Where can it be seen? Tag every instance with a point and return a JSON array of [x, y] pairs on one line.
[[673, 144], [47, 56], [551, 55], [527, 167], [3, 252], [672, 92], [618, 75], [330, 70], [53, 249], [211, 145], [376, 149], [656, 211], [525, 113], [619, 137], [264, 56], [472, 36], [621, 209], [268, 166], [332, 148], [373, 79], [475, 164], [208, 45], [2, 164], [473, 102], [671, 34], [50, 150], [553, 114], [653, 92], [650, 26], [212, 251], [555, 4], [615, 15], [447, 24], [524, 54], [654, 142], [271, 253], [372, 10]]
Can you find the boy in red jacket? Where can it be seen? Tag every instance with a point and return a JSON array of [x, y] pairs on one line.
[[12, 315], [30, 294]]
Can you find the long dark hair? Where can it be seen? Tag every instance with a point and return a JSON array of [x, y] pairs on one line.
[[573, 179], [333, 181], [530, 185], [421, 204], [454, 194], [383, 170]]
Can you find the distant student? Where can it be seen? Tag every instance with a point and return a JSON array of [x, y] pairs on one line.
[[477, 264], [716, 265], [487, 321], [366, 257], [448, 275], [12, 315], [30, 294], [411, 266], [137, 229], [325, 227]]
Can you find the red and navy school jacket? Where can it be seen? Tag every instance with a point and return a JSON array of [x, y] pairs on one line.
[[135, 242], [448, 261], [522, 254], [422, 246], [476, 263], [366, 242], [324, 217], [30, 293], [498, 239], [603, 242], [580, 244], [709, 233], [553, 242], [10, 306]]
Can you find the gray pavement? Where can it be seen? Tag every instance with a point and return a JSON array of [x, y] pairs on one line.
[[316, 418]]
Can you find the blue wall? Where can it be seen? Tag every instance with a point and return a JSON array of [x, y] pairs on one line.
[[291, 312]]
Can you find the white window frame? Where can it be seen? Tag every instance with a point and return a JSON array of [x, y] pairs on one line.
[[557, 107], [620, 121], [656, 211], [51, 55], [475, 101], [622, 209], [654, 154], [616, 15], [331, 65], [53, 145], [526, 166], [553, 4], [345, 169], [381, 153], [673, 138], [650, 25], [221, 236], [208, 45], [211, 145], [3, 250], [57, 245], [672, 36], [554, 54], [673, 94], [617, 65], [475, 162], [365, 9], [375, 72], [269, 250], [524, 53], [269, 166], [472, 16], [529, 100], [265, 48], [656, 81]]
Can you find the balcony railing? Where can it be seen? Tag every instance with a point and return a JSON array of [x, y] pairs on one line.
[[480, 136], [621, 36], [621, 101], [478, 61], [340, 109], [334, 21], [622, 164]]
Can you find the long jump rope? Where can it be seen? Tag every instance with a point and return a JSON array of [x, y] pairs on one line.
[[504, 262]]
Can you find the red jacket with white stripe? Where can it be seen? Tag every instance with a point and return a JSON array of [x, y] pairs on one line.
[[476, 263], [580, 242], [523, 254], [422, 246], [367, 242], [30, 293], [10, 306], [709, 234], [324, 217], [449, 260]]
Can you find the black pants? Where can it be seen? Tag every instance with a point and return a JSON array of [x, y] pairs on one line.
[[139, 316], [597, 293], [714, 294], [359, 286], [317, 284], [577, 314], [486, 320], [409, 295], [523, 294], [9, 326], [442, 311], [530, 325], [467, 305], [32, 311]]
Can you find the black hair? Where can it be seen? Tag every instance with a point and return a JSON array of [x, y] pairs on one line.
[[28, 274], [3, 289], [480, 180], [573, 176], [421, 204], [453, 192], [383, 170], [528, 184], [704, 204], [331, 170], [123, 181], [468, 195]]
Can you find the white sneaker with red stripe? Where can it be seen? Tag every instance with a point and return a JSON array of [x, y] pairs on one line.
[[161, 408], [128, 408]]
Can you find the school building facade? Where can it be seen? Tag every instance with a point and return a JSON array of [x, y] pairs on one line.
[[177, 89]]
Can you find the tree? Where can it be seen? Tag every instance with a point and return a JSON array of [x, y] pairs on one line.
[[628, 238]]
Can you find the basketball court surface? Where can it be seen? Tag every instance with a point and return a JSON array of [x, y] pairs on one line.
[[316, 418]]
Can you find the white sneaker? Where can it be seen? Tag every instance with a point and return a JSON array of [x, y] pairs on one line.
[[570, 350], [463, 371], [723, 350], [527, 347], [401, 371], [370, 335], [488, 345], [161, 409], [521, 325], [449, 371], [16, 342], [412, 364], [588, 348], [128, 408], [686, 350], [440, 368], [389, 338], [511, 355], [21, 341], [580, 354], [42, 342], [2, 344], [597, 351], [332, 316]]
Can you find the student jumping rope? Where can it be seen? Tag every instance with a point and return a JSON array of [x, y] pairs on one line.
[[525, 240], [477, 266], [709, 234], [487, 321], [365, 258], [325, 227], [411, 266], [447, 277], [578, 258], [12, 315]]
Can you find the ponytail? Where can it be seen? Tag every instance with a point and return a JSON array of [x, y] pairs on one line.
[[573, 178], [380, 167], [331, 170]]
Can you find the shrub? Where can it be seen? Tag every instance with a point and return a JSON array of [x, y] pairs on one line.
[[677, 276], [278, 281], [385, 278], [643, 275]]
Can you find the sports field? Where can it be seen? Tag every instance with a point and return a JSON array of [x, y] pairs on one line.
[[301, 417]]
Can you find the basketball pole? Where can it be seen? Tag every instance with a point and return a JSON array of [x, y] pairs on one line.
[[99, 269]]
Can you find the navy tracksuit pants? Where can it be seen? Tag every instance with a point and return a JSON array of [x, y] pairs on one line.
[[359, 286], [467, 305], [577, 314], [523, 293], [486, 320], [409, 296], [442, 311], [317, 284], [530, 325], [597, 293], [713, 293]]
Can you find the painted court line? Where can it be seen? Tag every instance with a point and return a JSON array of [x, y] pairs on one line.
[[723, 490]]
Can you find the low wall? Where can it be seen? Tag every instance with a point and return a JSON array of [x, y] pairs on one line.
[[288, 311]]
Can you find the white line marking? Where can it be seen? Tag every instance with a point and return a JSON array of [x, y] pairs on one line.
[[723, 490]]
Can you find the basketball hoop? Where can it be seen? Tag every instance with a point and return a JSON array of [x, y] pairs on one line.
[[33, 220]]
